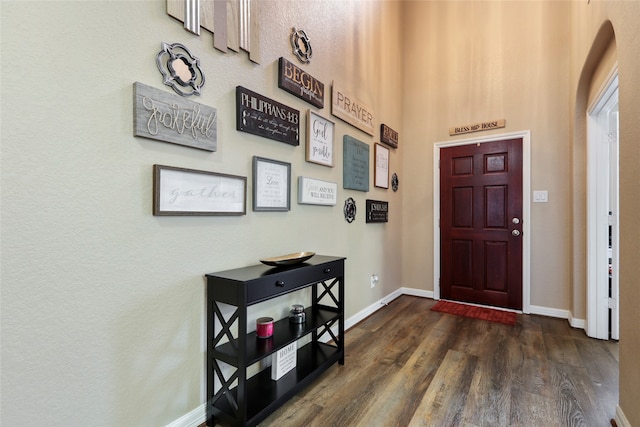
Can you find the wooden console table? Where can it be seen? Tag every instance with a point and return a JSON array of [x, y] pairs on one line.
[[237, 400]]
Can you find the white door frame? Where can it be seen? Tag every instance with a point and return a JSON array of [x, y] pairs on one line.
[[526, 208], [600, 160]]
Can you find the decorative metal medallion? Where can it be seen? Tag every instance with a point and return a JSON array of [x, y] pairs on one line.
[[301, 45], [180, 69], [350, 210], [394, 181]]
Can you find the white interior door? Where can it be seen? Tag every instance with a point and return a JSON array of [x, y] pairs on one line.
[[602, 214], [614, 239]]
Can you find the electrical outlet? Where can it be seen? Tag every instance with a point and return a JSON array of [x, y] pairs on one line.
[[374, 280]]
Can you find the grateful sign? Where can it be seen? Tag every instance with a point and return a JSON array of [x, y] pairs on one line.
[[170, 118]]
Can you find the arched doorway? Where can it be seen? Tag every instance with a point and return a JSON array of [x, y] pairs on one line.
[[595, 77]]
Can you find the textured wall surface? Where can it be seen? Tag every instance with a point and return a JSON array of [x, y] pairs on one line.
[[102, 304], [468, 62], [590, 61]]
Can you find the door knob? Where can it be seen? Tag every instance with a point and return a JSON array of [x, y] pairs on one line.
[[515, 233], [515, 220]]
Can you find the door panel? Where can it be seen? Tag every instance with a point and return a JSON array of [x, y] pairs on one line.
[[481, 245]]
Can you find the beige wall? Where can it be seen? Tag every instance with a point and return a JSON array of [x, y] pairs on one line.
[[468, 62], [102, 303], [591, 57]]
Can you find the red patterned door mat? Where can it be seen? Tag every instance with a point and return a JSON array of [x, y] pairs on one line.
[[492, 315]]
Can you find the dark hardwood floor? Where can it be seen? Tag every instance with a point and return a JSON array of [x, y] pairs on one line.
[[408, 366]]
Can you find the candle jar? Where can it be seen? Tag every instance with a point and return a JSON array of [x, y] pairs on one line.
[[264, 327], [297, 314]]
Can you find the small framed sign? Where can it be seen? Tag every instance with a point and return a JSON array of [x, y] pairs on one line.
[[377, 211], [381, 171], [284, 360], [299, 83], [316, 192], [179, 191], [271, 185], [388, 136], [355, 173], [320, 133], [258, 115]]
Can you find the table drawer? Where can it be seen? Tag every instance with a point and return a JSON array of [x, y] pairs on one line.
[[282, 282]]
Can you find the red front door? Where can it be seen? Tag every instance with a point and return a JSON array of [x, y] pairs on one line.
[[481, 223]]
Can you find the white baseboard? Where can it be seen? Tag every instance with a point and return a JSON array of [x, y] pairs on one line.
[[551, 312], [576, 323], [191, 419], [561, 314], [620, 418], [368, 311], [416, 292]]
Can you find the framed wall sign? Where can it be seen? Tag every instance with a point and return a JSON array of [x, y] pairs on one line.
[[299, 83], [355, 173], [170, 118], [377, 211], [316, 192], [259, 115], [320, 132], [381, 171], [179, 191], [350, 109], [271, 185], [388, 136]]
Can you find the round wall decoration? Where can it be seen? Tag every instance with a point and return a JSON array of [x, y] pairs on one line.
[[394, 181], [301, 45], [350, 210], [180, 69]]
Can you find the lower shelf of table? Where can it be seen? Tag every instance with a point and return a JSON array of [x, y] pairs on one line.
[[265, 395]]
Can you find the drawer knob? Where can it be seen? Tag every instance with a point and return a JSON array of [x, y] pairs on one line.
[[280, 283], [327, 270]]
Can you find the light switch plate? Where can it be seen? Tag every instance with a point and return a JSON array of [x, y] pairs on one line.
[[540, 196]]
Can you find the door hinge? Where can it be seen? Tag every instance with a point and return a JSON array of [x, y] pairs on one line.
[[612, 219], [613, 304]]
